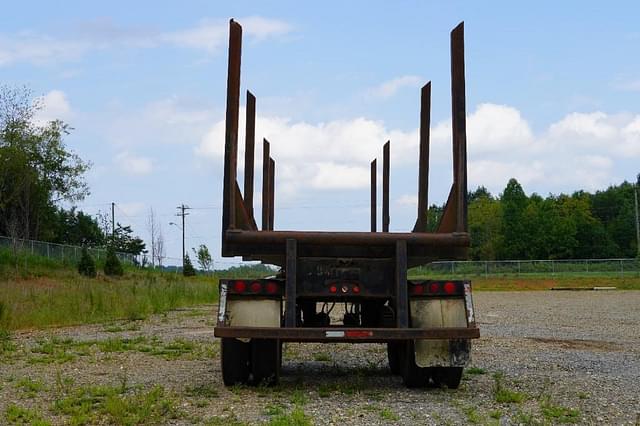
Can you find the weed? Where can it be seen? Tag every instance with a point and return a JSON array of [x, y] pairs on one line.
[[29, 387], [63, 384], [298, 397], [274, 410], [495, 414], [472, 415], [204, 391], [19, 415], [526, 419], [6, 342], [475, 370], [558, 413], [230, 420], [322, 357], [325, 390], [297, 417], [583, 395], [503, 394], [387, 414]]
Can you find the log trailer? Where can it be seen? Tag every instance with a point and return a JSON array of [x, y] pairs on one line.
[[427, 325]]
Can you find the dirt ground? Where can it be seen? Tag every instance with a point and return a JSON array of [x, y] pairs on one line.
[[544, 358]]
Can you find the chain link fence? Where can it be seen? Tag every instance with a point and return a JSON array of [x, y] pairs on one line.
[[62, 252], [543, 268]]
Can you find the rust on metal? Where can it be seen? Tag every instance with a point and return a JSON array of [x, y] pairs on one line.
[[385, 187], [266, 197], [290, 283], [231, 128], [402, 300], [374, 193], [272, 191], [250, 141], [454, 217], [423, 167]]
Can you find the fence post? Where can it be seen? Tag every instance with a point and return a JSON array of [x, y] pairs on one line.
[[486, 269], [621, 268], [553, 267], [47, 251]]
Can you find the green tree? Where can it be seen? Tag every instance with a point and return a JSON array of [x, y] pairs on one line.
[[37, 171], [187, 267], [204, 257], [514, 234], [87, 266], [485, 226], [124, 241], [112, 265]]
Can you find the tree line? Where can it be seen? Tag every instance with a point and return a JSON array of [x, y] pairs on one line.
[[582, 225]]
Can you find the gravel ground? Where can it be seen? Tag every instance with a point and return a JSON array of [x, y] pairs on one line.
[[543, 358]]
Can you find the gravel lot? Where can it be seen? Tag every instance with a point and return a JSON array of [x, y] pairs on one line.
[[544, 357]]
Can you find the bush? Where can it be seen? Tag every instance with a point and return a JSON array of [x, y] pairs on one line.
[[87, 266], [112, 265], [187, 268]]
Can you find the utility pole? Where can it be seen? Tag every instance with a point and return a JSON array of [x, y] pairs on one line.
[[113, 220], [183, 213]]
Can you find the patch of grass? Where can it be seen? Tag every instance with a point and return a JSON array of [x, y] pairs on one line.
[[322, 357], [558, 413], [29, 387], [298, 397], [475, 370], [6, 342], [48, 293], [472, 415], [526, 419], [208, 390], [274, 410], [110, 404], [386, 414], [23, 416], [495, 414], [505, 395], [230, 420], [297, 417], [583, 395]]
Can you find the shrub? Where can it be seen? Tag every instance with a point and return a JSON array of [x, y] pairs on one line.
[[187, 268], [112, 265], [87, 266]]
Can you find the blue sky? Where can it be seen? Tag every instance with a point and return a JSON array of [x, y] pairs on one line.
[[552, 91]]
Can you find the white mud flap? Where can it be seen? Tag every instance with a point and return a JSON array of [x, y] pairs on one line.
[[433, 313]]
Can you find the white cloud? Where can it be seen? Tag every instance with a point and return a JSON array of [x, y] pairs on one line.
[[408, 200], [55, 106], [578, 151], [391, 87], [132, 209], [209, 36], [134, 165]]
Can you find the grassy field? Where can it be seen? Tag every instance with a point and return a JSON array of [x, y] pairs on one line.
[[38, 292]]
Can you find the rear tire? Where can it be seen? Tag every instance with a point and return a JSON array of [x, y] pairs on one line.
[[393, 354], [446, 376], [234, 360], [265, 361], [412, 375]]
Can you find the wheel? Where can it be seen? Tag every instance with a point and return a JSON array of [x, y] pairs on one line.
[[412, 375], [446, 376], [234, 359], [393, 354], [265, 361]]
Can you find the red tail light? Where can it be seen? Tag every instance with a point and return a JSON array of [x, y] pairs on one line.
[[356, 289], [272, 287], [418, 289], [256, 287], [434, 288], [449, 287], [239, 286], [333, 289]]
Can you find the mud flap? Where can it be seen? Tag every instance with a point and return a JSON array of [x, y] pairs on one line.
[[431, 313]]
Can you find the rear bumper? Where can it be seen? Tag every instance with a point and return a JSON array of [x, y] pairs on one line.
[[352, 335]]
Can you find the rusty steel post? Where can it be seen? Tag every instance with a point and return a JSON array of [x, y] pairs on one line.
[[385, 187], [266, 198], [402, 299], [290, 283], [423, 167], [374, 201], [272, 191], [231, 128], [458, 123], [249, 152]]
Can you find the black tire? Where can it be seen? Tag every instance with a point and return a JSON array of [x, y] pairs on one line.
[[412, 375], [234, 360], [265, 361], [446, 376], [393, 354]]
